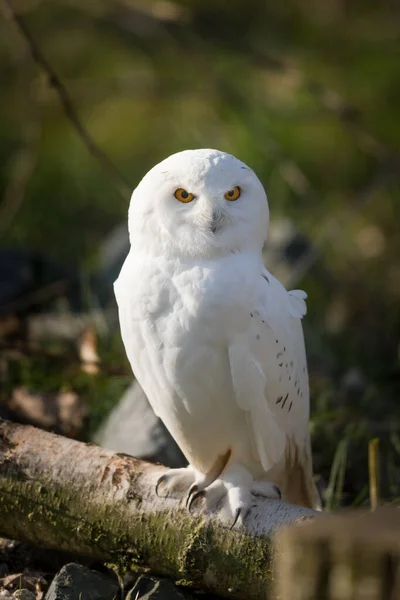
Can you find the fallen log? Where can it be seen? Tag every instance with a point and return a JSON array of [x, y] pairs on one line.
[[67, 495]]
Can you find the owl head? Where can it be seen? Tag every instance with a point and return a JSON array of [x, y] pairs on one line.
[[199, 204]]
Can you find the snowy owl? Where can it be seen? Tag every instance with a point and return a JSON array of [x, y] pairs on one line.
[[215, 341]]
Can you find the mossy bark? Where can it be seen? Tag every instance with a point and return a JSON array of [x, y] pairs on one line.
[[59, 493]]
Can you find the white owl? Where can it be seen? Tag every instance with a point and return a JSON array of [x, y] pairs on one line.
[[213, 338]]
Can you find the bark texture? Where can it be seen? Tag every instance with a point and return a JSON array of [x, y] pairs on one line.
[[59, 493]]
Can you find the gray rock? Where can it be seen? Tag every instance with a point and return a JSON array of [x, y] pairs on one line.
[[111, 255], [133, 428], [24, 595], [75, 582]]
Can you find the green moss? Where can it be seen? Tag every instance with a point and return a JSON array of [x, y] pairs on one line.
[[176, 545]]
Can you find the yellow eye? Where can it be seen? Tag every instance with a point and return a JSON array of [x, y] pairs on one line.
[[233, 194], [183, 196]]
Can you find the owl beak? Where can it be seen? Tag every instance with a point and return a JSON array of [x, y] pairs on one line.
[[216, 221]]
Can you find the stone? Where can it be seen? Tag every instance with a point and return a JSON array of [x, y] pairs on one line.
[[133, 428], [24, 595], [75, 582], [111, 255]]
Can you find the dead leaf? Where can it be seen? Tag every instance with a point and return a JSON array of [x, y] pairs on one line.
[[33, 581], [87, 346]]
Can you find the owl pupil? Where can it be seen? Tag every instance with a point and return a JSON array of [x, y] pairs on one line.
[[184, 194], [231, 193]]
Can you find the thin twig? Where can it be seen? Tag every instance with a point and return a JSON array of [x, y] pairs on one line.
[[373, 467], [70, 111]]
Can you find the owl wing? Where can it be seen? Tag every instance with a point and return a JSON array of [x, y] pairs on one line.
[[269, 374]]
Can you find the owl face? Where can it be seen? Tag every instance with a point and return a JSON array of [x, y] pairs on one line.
[[199, 204]]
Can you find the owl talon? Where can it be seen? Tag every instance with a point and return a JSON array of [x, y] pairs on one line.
[[243, 512], [194, 497], [159, 482], [175, 483], [192, 490], [266, 489], [238, 512]]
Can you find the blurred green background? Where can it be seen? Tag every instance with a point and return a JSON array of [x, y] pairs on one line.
[[307, 93]]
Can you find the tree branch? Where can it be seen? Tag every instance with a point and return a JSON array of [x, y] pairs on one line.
[[64, 494], [70, 111]]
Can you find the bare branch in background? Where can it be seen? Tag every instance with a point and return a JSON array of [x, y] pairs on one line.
[[70, 111], [348, 115]]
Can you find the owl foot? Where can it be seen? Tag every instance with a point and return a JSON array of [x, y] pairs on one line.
[[178, 483], [198, 488], [231, 496], [175, 483], [266, 489], [203, 480]]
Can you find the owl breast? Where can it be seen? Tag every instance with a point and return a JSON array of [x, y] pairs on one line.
[[178, 320]]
